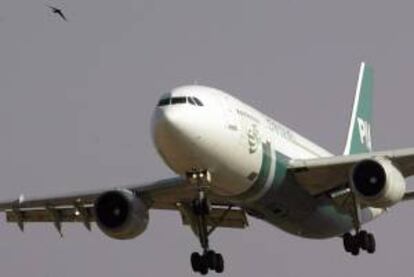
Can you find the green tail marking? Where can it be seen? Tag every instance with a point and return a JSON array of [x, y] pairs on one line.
[[359, 135]]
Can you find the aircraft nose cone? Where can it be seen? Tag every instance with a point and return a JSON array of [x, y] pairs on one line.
[[176, 136], [170, 123]]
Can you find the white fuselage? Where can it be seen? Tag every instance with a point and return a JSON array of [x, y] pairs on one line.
[[223, 135], [205, 128]]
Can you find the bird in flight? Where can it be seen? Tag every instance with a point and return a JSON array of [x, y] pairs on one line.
[[58, 12]]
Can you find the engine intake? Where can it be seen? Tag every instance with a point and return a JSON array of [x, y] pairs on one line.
[[377, 183], [120, 214]]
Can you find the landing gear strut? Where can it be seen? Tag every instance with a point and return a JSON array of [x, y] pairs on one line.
[[208, 259], [361, 240]]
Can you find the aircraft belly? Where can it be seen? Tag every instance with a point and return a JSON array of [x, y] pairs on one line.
[[293, 210]]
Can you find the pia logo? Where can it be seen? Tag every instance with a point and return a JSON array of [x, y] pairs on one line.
[[253, 138], [365, 133]]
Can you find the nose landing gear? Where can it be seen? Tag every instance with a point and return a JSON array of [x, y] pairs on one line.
[[209, 259]]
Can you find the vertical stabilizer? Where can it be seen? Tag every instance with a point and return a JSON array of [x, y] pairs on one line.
[[359, 135]]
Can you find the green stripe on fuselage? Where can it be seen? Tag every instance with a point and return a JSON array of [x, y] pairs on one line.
[[265, 167], [280, 169], [263, 176]]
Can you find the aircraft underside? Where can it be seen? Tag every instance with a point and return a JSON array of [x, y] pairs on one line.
[[287, 207]]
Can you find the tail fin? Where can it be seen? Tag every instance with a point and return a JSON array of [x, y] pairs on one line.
[[359, 135]]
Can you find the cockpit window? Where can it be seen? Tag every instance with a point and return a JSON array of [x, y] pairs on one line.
[[164, 102], [198, 102], [178, 100], [191, 101]]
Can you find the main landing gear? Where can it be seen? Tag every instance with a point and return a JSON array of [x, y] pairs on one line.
[[361, 240], [208, 259]]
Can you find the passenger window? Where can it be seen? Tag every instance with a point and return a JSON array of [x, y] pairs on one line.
[[164, 102], [198, 102], [178, 100]]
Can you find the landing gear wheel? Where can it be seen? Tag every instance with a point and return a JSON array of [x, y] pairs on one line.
[[211, 259], [204, 265], [196, 262], [355, 248], [351, 244], [363, 239], [371, 244], [220, 263], [348, 240], [204, 270]]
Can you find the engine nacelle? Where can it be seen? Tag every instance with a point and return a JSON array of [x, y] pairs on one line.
[[120, 214], [377, 183]]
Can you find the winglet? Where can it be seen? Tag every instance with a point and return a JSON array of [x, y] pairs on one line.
[[359, 135]]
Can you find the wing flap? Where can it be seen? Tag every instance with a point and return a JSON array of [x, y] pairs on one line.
[[43, 215], [223, 217]]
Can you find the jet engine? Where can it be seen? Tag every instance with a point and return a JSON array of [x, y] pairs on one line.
[[120, 214], [377, 183]]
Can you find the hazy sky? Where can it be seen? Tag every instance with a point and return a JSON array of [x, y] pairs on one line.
[[76, 99]]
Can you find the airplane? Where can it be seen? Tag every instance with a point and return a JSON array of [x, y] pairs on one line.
[[231, 161]]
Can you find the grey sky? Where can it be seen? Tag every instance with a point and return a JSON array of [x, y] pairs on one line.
[[76, 99]]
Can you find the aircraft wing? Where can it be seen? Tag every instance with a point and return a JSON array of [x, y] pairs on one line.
[[322, 175], [175, 188], [172, 194]]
